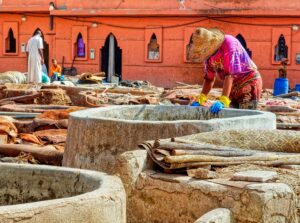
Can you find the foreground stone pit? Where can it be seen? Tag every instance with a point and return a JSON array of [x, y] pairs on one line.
[[170, 198], [97, 136], [37, 193]]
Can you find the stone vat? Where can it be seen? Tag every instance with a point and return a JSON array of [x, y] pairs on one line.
[[170, 198], [97, 136], [30, 194]]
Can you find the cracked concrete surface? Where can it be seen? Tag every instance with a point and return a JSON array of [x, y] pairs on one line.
[[157, 197], [219, 215]]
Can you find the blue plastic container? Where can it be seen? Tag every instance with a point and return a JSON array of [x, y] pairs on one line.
[[281, 86], [297, 87]]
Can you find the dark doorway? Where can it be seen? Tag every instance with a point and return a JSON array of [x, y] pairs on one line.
[[244, 44], [188, 49], [111, 51], [10, 42], [46, 48]]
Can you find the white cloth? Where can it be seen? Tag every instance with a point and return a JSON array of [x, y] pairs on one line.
[[34, 59]]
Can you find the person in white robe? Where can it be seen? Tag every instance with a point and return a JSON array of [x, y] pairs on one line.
[[35, 56]]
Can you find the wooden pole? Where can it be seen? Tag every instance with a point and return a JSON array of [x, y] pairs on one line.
[[204, 158]]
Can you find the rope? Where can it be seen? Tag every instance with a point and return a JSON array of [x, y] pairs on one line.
[[219, 19]]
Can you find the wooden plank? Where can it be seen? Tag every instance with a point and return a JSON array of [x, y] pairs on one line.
[[288, 126], [20, 98], [291, 94], [214, 159], [44, 154]]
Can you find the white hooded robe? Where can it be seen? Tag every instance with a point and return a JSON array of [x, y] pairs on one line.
[[34, 59]]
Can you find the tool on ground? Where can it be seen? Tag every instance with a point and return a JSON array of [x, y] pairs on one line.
[[70, 71]]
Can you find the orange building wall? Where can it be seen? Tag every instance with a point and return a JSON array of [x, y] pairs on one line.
[[172, 68], [221, 5]]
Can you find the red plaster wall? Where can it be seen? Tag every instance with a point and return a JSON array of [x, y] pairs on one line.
[[173, 4], [132, 42], [25, 2], [214, 5]]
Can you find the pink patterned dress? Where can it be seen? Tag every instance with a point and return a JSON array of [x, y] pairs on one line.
[[232, 59]]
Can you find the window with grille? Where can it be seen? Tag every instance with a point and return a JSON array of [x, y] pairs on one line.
[[281, 49], [281, 45], [153, 48], [79, 42], [80, 46], [10, 38]]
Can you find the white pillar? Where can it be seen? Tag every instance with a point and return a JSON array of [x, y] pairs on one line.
[[111, 58]]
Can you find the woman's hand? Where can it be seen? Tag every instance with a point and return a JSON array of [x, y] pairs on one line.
[[202, 99], [216, 107], [195, 104], [223, 102]]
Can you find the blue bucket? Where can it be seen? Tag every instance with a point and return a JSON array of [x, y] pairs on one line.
[[281, 86], [297, 87]]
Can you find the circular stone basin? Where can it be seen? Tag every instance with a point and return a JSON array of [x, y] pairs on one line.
[[31, 193], [97, 136]]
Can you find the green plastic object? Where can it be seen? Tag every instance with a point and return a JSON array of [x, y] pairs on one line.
[[45, 79]]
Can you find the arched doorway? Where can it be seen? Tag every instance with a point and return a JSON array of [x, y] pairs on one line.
[[244, 44], [46, 48], [111, 58]]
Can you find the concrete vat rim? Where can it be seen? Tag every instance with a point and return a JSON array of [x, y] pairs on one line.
[[94, 115], [105, 188]]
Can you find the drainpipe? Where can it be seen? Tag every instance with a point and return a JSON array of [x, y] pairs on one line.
[[51, 22]]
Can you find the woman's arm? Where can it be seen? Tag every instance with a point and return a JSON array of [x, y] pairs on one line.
[[227, 85], [207, 85]]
